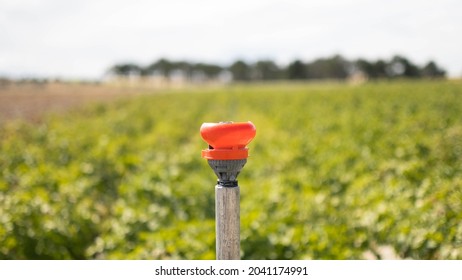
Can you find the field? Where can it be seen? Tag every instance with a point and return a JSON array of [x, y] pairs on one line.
[[336, 172], [33, 101]]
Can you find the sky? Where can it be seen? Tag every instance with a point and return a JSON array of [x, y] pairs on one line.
[[81, 39]]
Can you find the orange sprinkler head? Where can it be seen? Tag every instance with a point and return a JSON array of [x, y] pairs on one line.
[[227, 140]]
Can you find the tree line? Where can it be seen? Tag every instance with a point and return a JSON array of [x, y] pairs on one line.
[[334, 67]]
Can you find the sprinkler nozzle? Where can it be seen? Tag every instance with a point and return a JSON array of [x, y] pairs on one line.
[[227, 153], [227, 140]]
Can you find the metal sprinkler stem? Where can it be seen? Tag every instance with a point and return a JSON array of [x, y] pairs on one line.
[[227, 170], [227, 155]]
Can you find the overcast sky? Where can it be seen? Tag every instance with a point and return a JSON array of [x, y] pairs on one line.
[[82, 38]]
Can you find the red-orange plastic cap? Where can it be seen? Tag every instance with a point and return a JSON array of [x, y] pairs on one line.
[[227, 140]]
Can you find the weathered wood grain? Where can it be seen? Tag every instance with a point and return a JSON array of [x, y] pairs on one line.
[[227, 219]]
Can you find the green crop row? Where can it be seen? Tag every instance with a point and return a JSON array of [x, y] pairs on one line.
[[335, 172]]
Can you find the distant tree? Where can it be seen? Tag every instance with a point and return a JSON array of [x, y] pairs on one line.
[[366, 67], [373, 70], [380, 69], [126, 69], [162, 66], [240, 71], [266, 70], [335, 67], [145, 71], [399, 66], [296, 70], [186, 67], [431, 70], [211, 71], [339, 67], [149, 70]]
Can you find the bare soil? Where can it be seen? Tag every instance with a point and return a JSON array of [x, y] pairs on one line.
[[32, 101]]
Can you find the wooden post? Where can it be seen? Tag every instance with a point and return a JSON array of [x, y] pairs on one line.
[[227, 219]]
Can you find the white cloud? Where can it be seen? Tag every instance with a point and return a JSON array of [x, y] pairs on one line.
[[82, 38]]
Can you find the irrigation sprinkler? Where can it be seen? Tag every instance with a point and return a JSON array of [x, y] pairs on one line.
[[227, 154]]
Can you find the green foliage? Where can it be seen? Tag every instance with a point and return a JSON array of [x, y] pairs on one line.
[[335, 171]]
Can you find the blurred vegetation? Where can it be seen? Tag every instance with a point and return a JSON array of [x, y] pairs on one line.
[[334, 67], [335, 171]]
